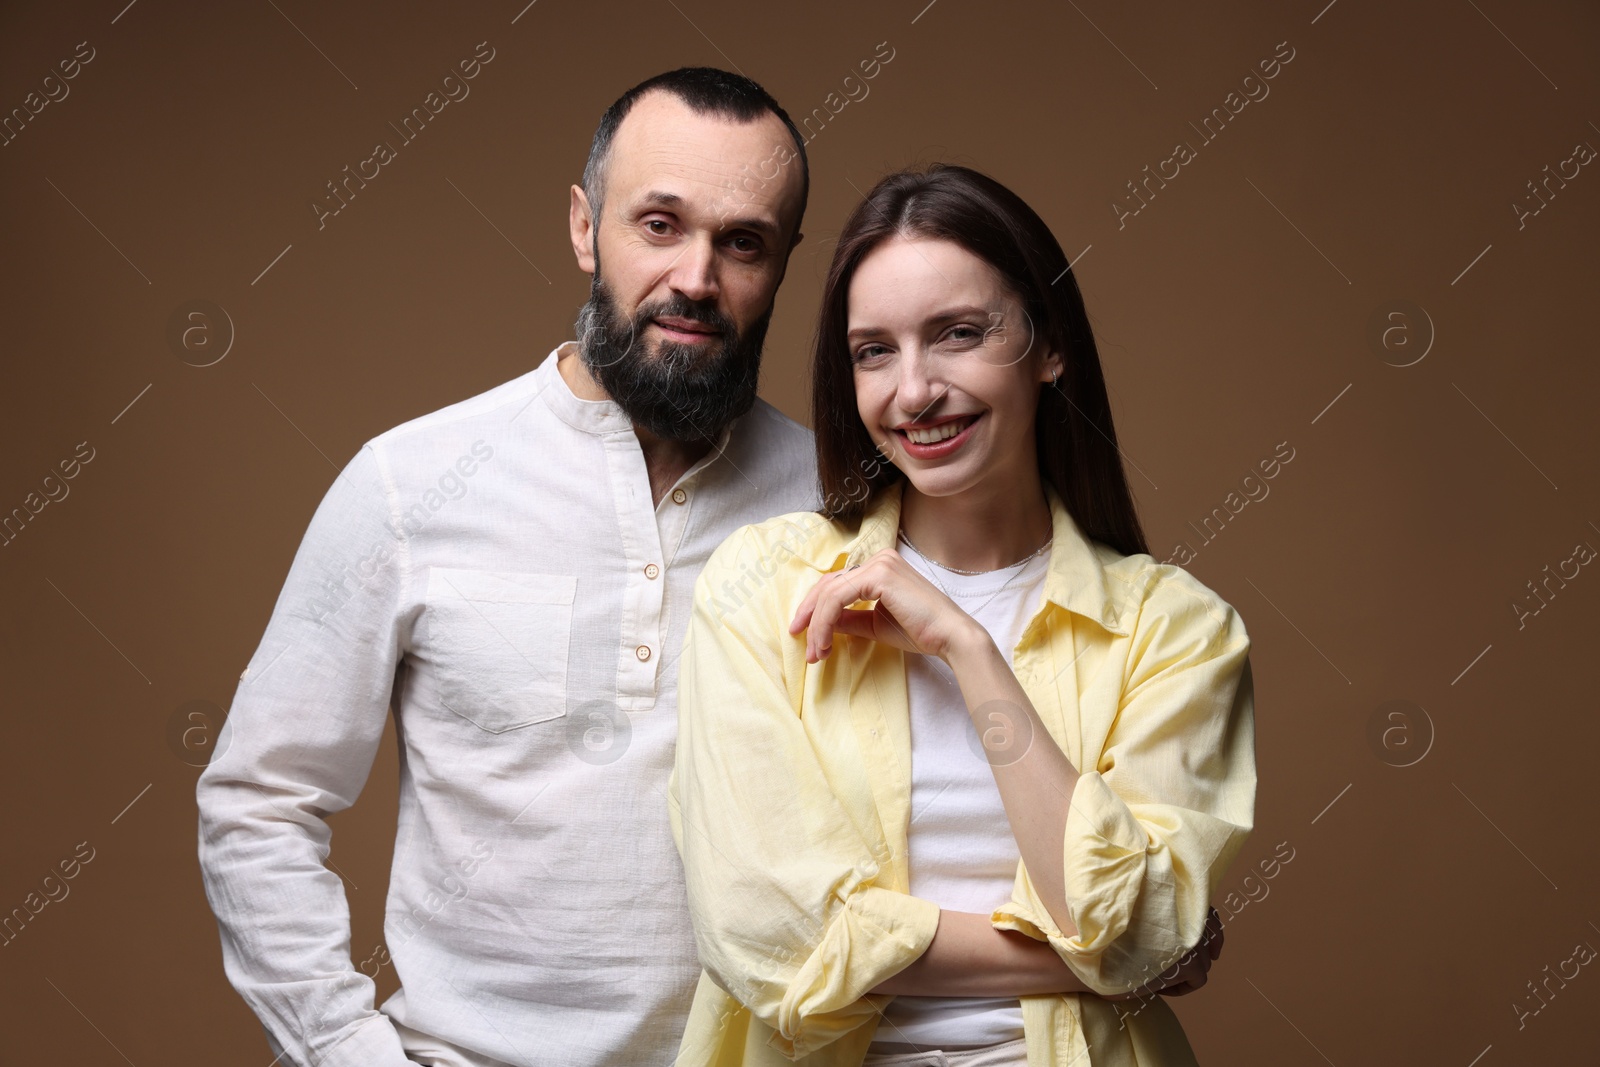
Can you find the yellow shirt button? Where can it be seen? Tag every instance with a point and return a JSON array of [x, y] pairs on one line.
[[679, 496], [644, 652], [651, 570]]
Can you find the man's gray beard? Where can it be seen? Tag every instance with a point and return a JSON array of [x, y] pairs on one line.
[[680, 392]]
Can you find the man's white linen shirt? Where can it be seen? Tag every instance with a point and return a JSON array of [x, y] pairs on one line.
[[496, 575]]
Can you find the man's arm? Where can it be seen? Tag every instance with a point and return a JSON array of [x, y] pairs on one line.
[[298, 745]]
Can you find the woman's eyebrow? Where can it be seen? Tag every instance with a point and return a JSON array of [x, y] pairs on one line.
[[948, 314]]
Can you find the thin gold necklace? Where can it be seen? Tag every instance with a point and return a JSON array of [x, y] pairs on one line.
[[958, 570]]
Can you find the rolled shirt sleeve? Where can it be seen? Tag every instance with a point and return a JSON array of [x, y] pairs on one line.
[[297, 746], [1155, 822], [792, 910]]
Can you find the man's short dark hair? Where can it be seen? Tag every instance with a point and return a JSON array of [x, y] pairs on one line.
[[706, 91]]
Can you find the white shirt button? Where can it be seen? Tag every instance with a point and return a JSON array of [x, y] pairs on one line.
[[651, 570], [643, 652], [679, 496]]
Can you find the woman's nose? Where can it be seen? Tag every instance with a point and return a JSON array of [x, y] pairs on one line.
[[918, 389]]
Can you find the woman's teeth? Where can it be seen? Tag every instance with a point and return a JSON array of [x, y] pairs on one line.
[[938, 433]]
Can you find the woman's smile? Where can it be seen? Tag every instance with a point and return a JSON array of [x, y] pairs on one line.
[[938, 440]]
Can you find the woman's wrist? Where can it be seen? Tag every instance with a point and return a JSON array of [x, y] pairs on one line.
[[970, 645], [969, 957], [1049, 973]]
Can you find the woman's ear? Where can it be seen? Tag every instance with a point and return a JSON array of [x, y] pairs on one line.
[[1051, 368]]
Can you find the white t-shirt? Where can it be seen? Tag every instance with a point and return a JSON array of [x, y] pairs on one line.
[[963, 856]]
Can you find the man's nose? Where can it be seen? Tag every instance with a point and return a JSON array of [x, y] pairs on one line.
[[694, 273]]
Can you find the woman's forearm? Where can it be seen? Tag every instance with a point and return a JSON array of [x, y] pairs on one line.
[[968, 957], [1035, 778]]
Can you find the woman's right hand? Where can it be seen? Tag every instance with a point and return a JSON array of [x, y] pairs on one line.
[[1191, 967]]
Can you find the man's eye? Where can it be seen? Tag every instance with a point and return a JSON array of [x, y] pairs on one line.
[[658, 222], [750, 244]]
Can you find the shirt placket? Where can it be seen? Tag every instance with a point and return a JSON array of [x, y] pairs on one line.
[[672, 514], [1040, 678], [643, 593]]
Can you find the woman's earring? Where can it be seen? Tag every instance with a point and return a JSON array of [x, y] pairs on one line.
[[1055, 372]]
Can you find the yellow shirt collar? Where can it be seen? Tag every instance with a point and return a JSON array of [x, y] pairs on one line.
[[1076, 582]]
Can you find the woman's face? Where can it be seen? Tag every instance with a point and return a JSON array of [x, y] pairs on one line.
[[947, 375]]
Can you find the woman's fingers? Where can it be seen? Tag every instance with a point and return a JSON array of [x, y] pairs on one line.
[[802, 615], [832, 595], [885, 578], [1214, 933], [808, 604], [857, 622], [1188, 976], [1192, 975], [877, 623], [872, 624]]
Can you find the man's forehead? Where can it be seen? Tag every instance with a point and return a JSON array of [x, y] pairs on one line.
[[706, 161]]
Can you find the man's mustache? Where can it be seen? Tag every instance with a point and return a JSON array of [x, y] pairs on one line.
[[710, 318]]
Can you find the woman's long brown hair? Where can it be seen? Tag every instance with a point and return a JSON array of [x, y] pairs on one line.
[[1076, 442]]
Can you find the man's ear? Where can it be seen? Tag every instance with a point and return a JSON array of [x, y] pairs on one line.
[[784, 271], [580, 227]]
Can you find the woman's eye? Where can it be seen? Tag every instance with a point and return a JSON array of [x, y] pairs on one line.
[[964, 332], [868, 352]]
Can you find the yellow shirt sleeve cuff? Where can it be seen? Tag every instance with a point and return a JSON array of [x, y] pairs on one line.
[[877, 934], [1104, 852]]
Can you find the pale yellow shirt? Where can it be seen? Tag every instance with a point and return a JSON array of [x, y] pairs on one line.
[[790, 792]]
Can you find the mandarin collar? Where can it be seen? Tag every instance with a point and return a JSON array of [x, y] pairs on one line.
[[593, 416]]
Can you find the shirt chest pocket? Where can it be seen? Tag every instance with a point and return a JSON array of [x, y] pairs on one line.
[[499, 642]]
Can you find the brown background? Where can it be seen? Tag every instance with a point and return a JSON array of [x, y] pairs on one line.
[[1234, 313]]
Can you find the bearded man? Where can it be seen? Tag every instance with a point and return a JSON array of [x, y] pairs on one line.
[[510, 577]]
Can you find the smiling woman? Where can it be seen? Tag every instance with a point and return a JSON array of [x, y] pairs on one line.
[[960, 775]]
